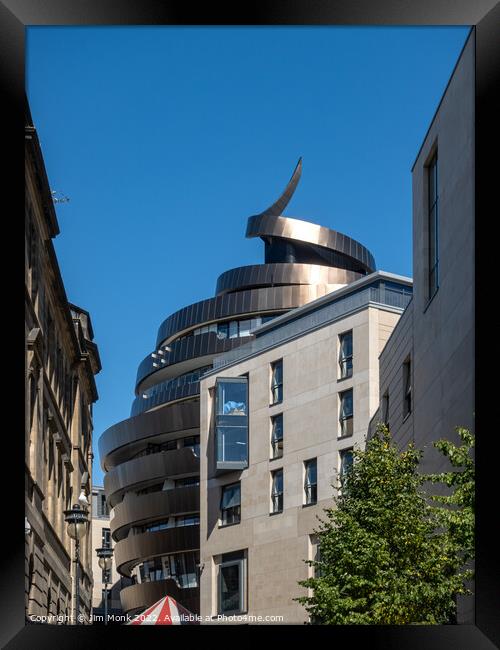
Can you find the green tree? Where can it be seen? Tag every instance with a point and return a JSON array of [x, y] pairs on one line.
[[455, 511], [386, 553]]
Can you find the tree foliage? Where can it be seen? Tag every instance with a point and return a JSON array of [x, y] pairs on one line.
[[389, 554]]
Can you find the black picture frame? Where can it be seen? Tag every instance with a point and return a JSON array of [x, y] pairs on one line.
[[484, 17]]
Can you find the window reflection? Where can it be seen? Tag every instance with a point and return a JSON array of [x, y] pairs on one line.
[[181, 567], [231, 403]]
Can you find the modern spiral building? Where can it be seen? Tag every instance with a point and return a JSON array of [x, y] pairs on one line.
[[152, 459]]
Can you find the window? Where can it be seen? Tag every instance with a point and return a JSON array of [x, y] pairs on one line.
[[187, 520], [345, 355], [277, 382], [433, 225], [102, 506], [223, 331], [230, 505], [317, 571], [311, 481], [346, 413], [193, 442], [180, 567], [385, 409], [233, 329], [232, 580], [106, 538], [187, 482], [277, 436], [231, 416], [245, 326], [406, 388], [346, 460], [277, 491]]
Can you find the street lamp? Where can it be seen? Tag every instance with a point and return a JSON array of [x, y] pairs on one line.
[[77, 520], [105, 555]]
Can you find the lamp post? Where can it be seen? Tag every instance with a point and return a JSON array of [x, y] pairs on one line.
[[77, 520], [105, 555]]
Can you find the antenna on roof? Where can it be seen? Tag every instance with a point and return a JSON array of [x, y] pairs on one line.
[[59, 199]]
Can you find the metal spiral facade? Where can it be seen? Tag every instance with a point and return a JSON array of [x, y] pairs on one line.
[[303, 261]]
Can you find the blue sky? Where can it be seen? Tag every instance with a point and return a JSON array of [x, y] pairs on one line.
[[166, 139]]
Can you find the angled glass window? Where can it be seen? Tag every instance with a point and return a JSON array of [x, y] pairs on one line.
[[310, 481], [277, 382], [346, 413], [345, 355], [231, 504], [277, 491], [277, 436], [231, 422]]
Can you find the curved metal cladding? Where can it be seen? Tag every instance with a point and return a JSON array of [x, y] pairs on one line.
[[151, 459]]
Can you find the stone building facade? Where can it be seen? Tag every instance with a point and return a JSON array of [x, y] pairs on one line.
[[258, 516], [61, 360], [427, 368]]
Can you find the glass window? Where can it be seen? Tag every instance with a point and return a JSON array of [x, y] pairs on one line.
[[222, 330], [187, 482], [245, 326], [193, 442], [231, 504], [385, 414], [433, 226], [213, 328], [407, 388], [233, 329], [187, 520], [256, 322], [106, 538], [277, 435], [346, 460], [277, 382], [277, 491], [231, 397], [346, 413], [345, 355], [310, 481], [231, 583], [231, 444], [232, 421]]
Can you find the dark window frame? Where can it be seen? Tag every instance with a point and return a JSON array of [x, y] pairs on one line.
[[432, 209], [407, 388], [235, 511], [242, 578], [277, 498], [310, 488], [346, 371], [276, 438], [346, 421], [276, 386]]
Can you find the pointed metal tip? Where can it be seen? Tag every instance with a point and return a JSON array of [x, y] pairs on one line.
[[278, 206]]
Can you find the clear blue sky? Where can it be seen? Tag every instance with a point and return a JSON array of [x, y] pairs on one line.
[[166, 139]]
